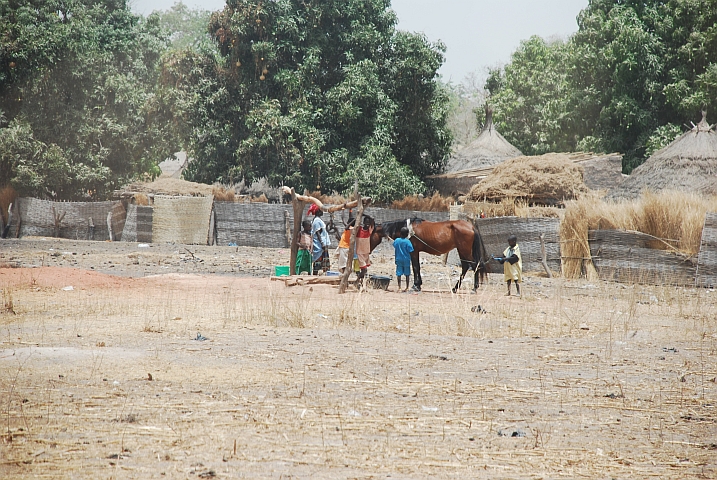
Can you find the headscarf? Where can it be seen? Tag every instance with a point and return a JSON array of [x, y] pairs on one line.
[[313, 209]]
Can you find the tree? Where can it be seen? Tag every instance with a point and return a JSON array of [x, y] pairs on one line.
[[310, 94], [77, 82], [187, 27], [529, 97], [630, 77]]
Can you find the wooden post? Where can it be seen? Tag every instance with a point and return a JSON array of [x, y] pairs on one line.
[[352, 244], [109, 227], [212, 228], [298, 214], [58, 222], [544, 259]]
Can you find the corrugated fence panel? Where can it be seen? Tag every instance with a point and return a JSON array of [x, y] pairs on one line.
[[37, 218], [182, 220], [707, 261], [138, 224], [626, 257], [496, 230]]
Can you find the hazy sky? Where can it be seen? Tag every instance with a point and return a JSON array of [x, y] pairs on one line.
[[477, 33]]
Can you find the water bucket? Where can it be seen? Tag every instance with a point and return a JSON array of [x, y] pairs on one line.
[[379, 281], [281, 271]]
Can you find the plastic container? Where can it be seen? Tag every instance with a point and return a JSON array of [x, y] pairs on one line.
[[281, 271], [331, 273]]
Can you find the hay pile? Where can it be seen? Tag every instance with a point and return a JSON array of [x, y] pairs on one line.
[[170, 186], [548, 179], [689, 164]]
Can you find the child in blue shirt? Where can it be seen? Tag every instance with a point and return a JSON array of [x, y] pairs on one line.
[[403, 249]]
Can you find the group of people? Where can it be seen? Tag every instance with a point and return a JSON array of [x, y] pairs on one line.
[[314, 242]]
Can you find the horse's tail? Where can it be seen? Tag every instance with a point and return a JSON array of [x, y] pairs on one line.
[[480, 255]]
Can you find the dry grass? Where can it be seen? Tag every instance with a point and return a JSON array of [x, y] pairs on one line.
[[434, 203], [509, 207], [223, 194], [306, 383], [547, 178], [675, 219], [141, 199], [7, 196]]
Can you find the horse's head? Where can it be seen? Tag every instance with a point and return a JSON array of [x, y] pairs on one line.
[[377, 236]]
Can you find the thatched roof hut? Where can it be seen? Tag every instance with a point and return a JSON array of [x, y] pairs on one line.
[[688, 164], [486, 151], [490, 148], [545, 179]]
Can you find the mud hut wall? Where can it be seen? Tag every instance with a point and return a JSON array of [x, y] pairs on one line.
[[626, 257], [138, 224], [707, 259], [181, 219], [37, 219], [495, 232], [265, 225]]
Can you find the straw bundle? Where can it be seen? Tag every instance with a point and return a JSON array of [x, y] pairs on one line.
[[550, 179], [171, 186]]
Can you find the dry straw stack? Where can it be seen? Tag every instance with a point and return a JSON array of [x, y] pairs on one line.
[[546, 179], [674, 219]]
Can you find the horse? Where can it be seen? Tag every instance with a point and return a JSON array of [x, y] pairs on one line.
[[438, 238]]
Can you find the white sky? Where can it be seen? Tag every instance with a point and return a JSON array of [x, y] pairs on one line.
[[478, 33]]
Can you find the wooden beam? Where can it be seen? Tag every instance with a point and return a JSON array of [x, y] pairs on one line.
[[298, 206], [352, 244]]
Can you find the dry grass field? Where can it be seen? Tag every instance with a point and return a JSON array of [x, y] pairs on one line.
[[109, 379]]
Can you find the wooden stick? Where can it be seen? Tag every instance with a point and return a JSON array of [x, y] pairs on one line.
[[544, 259], [298, 206], [320, 204], [352, 244]]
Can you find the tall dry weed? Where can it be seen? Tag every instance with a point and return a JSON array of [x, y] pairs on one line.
[[223, 194], [434, 203], [675, 219]]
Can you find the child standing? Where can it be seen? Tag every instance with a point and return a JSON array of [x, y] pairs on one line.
[[363, 245], [512, 264], [303, 256], [403, 247]]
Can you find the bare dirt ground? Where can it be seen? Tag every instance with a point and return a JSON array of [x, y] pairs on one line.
[[107, 379]]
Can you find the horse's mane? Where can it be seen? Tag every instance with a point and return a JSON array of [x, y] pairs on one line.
[[393, 228]]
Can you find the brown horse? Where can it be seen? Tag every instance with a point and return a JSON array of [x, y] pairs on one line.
[[438, 238]]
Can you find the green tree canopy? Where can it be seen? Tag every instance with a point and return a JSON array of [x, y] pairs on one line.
[[77, 82], [312, 95], [626, 81]]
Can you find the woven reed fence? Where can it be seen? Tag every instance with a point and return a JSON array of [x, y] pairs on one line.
[[182, 219], [269, 225], [627, 257], [707, 260], [495, 232], [79, 220], [138, 224]]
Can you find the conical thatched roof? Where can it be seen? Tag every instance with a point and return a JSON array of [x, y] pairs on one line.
[[688, 164], [490, 148]]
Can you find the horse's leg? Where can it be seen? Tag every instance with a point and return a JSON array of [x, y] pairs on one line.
[[417, 280], [476, 279], [464, 268]]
